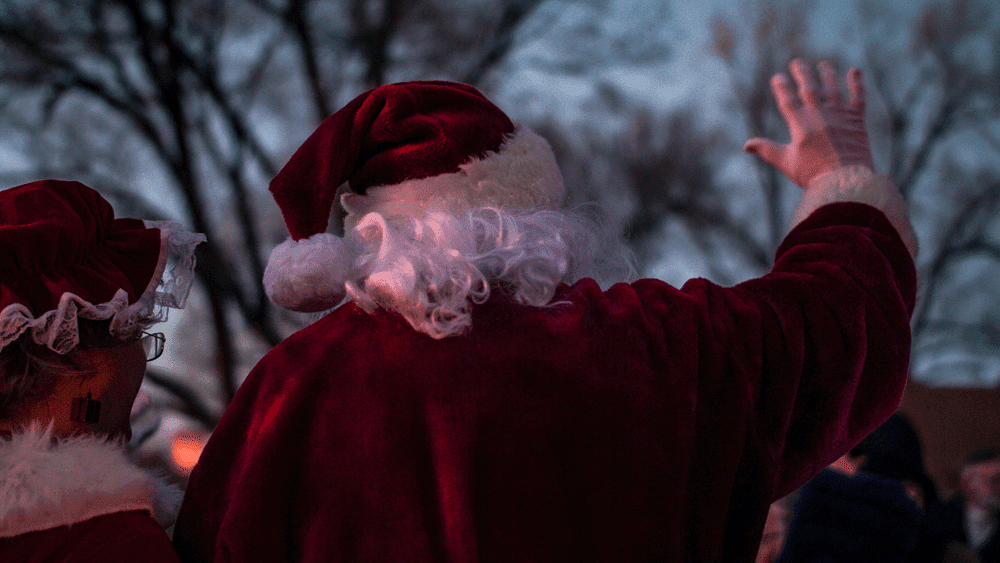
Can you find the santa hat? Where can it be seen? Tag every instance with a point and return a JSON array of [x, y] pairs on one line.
[[402, 149], [64, 256]]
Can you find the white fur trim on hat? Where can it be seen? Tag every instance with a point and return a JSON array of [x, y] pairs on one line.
[[307, 275], [45, 485], [522, 175], [859, 184]]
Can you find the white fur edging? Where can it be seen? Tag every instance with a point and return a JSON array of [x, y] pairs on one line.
[[45, 485], [522, 175], [859, 184]]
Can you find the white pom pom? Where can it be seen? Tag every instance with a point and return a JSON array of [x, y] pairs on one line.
[[307, 275]]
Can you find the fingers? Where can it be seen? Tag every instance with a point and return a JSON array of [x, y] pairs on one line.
[[808, 90], [831, 84], [784, 94], [856, 87], [810, 93]]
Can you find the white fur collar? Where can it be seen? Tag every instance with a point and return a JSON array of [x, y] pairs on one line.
[[45, 485]]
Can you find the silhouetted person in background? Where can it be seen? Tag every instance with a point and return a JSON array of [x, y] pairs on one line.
[[870, 505], [971, 517]]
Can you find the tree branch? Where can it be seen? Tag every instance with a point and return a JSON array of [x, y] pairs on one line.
[[515, 13], [190, 403], [373, 40], [295, 18], [948, 250]]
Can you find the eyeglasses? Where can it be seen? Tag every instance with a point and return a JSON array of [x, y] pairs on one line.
[[152, 343]]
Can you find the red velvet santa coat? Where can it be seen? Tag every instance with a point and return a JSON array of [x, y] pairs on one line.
[[79, 501], [644, 423]]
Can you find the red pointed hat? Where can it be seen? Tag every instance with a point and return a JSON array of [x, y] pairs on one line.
[[64, 255], [417, 142], [396, 133]]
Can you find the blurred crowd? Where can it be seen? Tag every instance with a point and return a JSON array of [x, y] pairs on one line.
[[878, 503]]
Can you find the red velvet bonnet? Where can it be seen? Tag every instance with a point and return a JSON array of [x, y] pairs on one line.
[[64, 254]]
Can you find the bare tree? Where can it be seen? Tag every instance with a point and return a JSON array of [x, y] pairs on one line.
[[184, 109], [934, 120], [941, 118]]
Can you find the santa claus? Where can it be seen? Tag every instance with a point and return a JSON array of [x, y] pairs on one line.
[[476, 395]]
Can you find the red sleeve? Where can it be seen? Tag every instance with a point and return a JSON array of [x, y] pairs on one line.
[[824, 338]]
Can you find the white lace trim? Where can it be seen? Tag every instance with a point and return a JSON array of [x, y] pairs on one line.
[[168, 288]]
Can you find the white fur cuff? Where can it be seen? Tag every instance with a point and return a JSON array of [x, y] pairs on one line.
[[859, 184], [307, 275]]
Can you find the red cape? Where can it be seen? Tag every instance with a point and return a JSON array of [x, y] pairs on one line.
[[644, 423]]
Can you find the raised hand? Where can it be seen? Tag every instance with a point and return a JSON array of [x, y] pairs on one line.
[[827, 132]]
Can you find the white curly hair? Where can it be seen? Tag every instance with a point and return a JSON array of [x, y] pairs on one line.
[[432, 269]]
